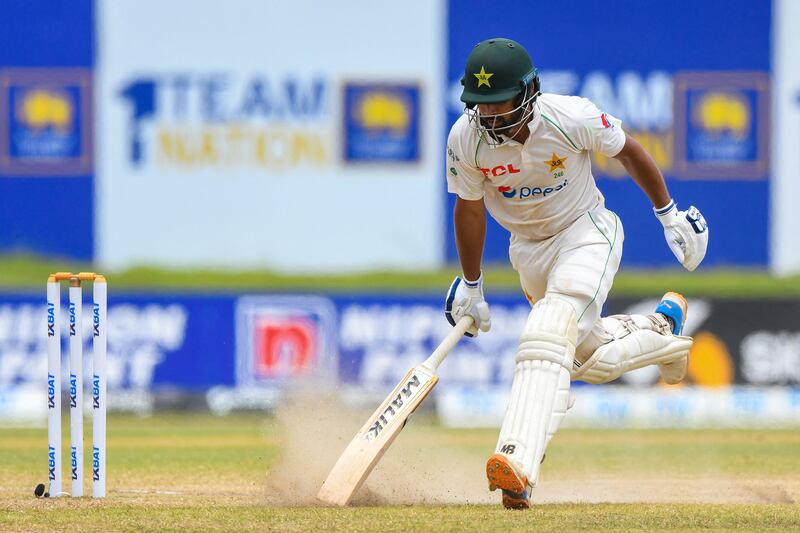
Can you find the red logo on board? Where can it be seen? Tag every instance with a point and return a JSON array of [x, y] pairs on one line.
[[284, 347]]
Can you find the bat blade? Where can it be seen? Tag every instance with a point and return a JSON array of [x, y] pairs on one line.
[[375, 436]]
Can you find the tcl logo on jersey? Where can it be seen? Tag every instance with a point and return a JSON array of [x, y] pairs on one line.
[[531, 192], [500, 170]]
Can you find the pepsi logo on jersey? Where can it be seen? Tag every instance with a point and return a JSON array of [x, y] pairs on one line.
[[530, 192], [507, 191]]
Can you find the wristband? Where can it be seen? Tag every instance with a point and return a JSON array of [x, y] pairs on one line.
[[473, 284], [660, 212]]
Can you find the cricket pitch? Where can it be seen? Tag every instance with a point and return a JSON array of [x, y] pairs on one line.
[[251, 472]]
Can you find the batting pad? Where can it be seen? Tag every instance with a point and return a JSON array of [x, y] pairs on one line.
[[636, 350], [540, 391]]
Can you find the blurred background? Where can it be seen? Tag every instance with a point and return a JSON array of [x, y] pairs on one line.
[[263, 185]]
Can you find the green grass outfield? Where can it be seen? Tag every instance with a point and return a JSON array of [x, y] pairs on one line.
[[198, 472], [20, 272]]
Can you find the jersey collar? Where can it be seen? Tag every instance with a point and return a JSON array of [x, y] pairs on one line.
[[532, 124]]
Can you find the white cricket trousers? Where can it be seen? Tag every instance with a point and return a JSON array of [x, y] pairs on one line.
[[577, 265]]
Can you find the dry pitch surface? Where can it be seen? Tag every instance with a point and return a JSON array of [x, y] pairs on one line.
[[181, 472]]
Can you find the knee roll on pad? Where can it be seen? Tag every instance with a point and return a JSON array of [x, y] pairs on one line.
[[636, 350], [551, 327], [540, 391]]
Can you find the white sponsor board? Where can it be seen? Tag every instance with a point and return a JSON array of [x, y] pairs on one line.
[[616, 406], [785, 186], [298, 136]]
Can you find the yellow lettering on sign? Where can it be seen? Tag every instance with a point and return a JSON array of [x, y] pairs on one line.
[[207, 155], [285, 149], [236, 140], [240, 146], [309, 148], [172, 148]]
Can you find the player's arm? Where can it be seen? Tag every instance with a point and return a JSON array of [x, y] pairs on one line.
[[686, 231], [465, 295], [643, 170], [469, 218]]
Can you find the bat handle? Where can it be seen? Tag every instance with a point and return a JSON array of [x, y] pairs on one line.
[[448, 343]]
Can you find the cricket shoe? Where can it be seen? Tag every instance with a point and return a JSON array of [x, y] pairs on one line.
[[502, 475], [673, 307]]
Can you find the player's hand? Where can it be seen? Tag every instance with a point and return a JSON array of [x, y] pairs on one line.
[[465, 298], [686, 233]]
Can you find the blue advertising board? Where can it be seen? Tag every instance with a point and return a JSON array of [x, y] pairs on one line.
[[232, 351], [47, 117], [381, 123], [686, 83], [193, 342], [46, 124]]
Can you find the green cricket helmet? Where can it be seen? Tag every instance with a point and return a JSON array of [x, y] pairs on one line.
[[499, 70]]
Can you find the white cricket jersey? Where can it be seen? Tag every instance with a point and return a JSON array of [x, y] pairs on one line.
[[536, 189]]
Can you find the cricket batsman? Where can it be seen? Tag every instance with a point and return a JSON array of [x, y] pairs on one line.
[[526, 158]]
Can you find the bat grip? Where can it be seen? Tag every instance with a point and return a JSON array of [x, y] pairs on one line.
[[448, 343]]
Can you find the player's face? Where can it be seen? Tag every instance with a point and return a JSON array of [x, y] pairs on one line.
[[500, 117], [498, 108]]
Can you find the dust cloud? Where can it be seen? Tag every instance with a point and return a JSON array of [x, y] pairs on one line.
[[317, 427], [426, 466]]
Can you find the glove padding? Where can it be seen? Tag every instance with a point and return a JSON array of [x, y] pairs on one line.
[[686, 233], [465, 298]]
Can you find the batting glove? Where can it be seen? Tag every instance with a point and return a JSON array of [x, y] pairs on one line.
[[686, 233], [465, 298]]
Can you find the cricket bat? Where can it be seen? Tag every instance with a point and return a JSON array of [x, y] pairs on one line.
[[380, 430]]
